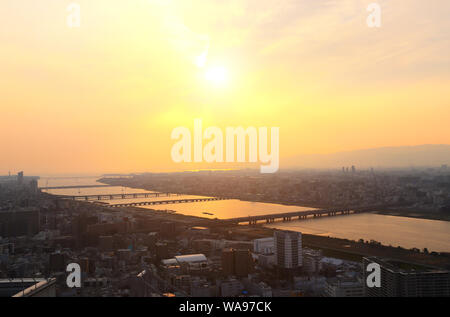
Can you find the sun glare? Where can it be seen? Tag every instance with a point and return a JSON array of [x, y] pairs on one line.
[[217, 75]]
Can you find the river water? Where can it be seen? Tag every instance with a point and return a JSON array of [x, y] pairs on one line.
[[389, 230]]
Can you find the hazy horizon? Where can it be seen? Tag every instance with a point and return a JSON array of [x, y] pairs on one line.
[[313, 161]]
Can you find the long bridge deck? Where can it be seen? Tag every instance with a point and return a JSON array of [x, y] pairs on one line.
[[116, 196], [76, 186], [163, 202], [296, 215]]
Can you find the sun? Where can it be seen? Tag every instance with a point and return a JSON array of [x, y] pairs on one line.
[[217, 75]]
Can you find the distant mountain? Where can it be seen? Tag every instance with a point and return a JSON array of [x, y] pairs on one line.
[[403, 156]]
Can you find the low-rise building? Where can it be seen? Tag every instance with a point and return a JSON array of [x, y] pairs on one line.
[[344, 287]]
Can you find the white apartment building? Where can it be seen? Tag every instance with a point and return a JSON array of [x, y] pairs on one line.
[[288, 249], [264, 245]]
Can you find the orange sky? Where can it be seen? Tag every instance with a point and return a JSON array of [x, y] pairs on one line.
[[105, 97]]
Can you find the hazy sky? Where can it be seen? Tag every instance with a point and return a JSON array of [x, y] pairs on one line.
[[105, 97]]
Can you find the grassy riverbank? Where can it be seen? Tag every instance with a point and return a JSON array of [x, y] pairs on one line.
[[354, 250], [419, 214]]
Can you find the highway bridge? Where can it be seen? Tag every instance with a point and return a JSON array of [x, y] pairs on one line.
[[76, 186], [116, 196], [296, 215], [163, 202]]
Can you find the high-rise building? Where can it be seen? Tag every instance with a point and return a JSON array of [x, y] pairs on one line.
[[243, 262], [399, 279], [57, 262], [228, 261], [87, 265], [237, 262], [19, 222], [312, 261], [20, 178], [150, 240], [34, 187], [168, 230], [161, 250], [288, 249]]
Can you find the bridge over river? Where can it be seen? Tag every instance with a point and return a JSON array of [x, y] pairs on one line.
[[298, 215], [251, 220], [163, 202], [76, 186], [116, 196]]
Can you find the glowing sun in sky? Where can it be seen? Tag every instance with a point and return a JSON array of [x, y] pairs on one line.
[[217, 75]]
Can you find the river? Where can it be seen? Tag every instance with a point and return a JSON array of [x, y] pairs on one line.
[[389, 230]]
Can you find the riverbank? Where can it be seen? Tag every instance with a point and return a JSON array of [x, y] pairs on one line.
[[419, 214], [356, 250]]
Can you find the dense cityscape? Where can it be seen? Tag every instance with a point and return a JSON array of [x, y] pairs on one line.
[[132, 251], [424, 191]]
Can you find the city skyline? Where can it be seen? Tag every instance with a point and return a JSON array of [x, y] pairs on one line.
[[376, 159]]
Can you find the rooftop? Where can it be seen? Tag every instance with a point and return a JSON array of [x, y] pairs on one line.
[[404, 267], [191, 258]]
